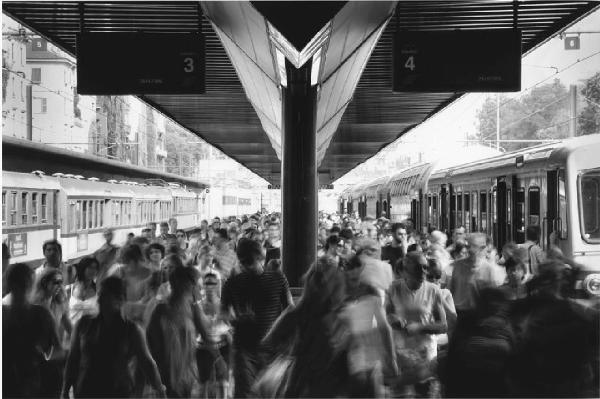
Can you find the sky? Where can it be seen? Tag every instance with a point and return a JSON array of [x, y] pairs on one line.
[[458, 120]]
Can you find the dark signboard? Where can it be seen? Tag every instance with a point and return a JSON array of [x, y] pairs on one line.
[[457, 61], [140, 63], [17, 244]]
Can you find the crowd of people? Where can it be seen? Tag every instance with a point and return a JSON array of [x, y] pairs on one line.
[[385, 311]]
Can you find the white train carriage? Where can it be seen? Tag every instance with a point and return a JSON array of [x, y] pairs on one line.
[[29, 214], [373, 194], [186, 207], [405, 189]]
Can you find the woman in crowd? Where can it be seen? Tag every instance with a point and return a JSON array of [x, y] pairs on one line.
[[28, 336], [103, 347], [154, 252], [315, 335], [83, 299], [171, 334], [50, 293]]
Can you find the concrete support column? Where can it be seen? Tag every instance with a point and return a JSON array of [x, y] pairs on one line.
[[299, 173]]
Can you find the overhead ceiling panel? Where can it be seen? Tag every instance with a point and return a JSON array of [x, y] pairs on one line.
[[372, 119]]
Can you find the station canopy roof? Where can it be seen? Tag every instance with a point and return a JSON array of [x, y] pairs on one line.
[[240, 113]]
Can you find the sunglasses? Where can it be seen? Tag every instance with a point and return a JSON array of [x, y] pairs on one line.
[[57, 282]]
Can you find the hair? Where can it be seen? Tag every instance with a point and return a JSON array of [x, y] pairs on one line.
[[39, 291], [222, 233], [332, 240], [434, 269], [414, 248], [114, 286], [154, 245], [52, 242], [457, 249], [182, 279], [324, 290], [140, 241], [335, 229], [514, 262], [164, 224], [131, 253], [175, 259], [347, 234], [411, 258], [180, 231], [533, 233], [172, 220], [248, 251], [83, 264], [437, 237], [397, 226], [19, 277]]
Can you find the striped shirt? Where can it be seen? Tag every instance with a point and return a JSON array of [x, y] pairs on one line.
[[263, 296]]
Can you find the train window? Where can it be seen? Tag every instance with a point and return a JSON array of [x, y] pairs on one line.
[[534, 206], [34, 208], [509, 214], [24, 207], [435, 211], [483, 213], [83, 215], [90, 214], [467, 209], [3, 207], [453, 210], [562, 206], [589, 194], [474, 197], [520, 215], [44, 207], [75, 215]]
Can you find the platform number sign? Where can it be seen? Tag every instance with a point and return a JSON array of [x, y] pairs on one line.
[[17, 244], [140, 63]]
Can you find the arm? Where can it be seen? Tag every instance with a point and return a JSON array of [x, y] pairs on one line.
[[72, 366], [286, 294], [395, 321], [145, 360], [386, 334], [66, 322]]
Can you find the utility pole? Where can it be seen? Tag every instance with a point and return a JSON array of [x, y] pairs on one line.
[[573, 110]]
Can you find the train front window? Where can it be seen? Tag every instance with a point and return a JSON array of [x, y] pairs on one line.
[[589, 196]]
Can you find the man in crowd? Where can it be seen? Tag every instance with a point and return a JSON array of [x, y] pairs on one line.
[[53, 259], [398, 247], [253, 300], [165, 237], [106, 255], [223, 254], [273, 243], [535, 254]]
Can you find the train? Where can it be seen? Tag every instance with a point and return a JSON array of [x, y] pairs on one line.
[[76, 210], [554, 186]]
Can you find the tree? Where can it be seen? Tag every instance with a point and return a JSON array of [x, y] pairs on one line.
[[541, 114], [589, 118]]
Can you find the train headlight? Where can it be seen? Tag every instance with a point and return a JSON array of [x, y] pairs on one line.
[[591, 284]]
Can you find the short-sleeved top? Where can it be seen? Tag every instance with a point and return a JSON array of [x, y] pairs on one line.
[[263, 295], [392, 254], [415, 306]]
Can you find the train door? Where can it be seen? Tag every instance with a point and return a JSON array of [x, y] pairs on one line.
[[452, 213], [556, 215], [389, 206], [501, 222], [518, 207], [444, 209], [378, 209]]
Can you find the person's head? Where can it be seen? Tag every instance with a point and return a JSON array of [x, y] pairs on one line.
[[414, 248], [459, 250], [273, 233], [220, 238], [155, 252], [173, 225], [368, 247], [410, 224], [147, 233], [323, 234], [52, 252], [49, 285], [108, 235], [183, 281], [458, 234], [438, 238], [87, 269], [414, 269], [204, 224], [164, 228], [19, 280], [180, 235], [399, 232], [212, 285], [233, 232], [130, 237], [515, 270], [508, 251], [354, 269], [335, 231], [169, 264], [477, 245], [324, 288], [533, 233], [131, 255], [434, 271], [152, 227], [250, 255], [334, 245], [111, 295]]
